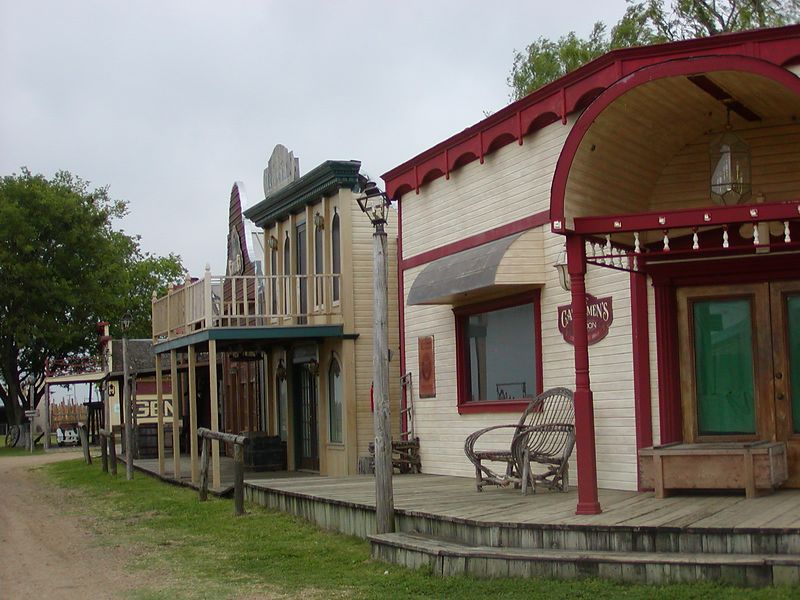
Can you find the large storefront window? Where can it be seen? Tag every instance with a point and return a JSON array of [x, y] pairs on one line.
[[499, 364]]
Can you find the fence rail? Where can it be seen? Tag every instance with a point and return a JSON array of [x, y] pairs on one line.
[[244, 301]]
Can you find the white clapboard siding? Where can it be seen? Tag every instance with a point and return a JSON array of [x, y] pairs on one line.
[[513, 183], [442, 430], [523, 262]]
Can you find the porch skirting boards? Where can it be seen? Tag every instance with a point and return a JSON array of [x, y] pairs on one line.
[[443, 524]]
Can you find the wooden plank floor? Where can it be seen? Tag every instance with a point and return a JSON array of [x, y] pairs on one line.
[[456, 498], [150, 465]]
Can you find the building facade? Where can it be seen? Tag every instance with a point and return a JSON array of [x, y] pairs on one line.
[[675, 313]]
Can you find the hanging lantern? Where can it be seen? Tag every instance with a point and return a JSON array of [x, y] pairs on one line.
[[730, 168], [561, 267]]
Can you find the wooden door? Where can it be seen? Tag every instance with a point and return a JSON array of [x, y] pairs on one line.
[[785, 312], [305, 418], [740, 365]]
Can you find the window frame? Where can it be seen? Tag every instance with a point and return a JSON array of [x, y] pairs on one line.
[[331, 397], [319, 268], [461, 316]]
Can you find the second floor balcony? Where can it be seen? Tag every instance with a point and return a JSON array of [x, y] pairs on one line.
[[246, 301]]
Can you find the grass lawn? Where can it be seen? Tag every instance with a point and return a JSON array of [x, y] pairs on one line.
[[188, 549]]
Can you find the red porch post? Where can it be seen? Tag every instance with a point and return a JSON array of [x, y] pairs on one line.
[[588, 503]]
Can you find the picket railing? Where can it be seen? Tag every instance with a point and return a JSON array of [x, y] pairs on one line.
[[245, 301]]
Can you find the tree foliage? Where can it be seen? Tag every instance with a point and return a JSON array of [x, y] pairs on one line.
[[644, 23], [63, 268]]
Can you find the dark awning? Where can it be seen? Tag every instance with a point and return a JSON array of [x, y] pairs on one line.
[[478, 269]]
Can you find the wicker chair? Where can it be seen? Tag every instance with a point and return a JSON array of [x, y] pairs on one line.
[[544, 435]]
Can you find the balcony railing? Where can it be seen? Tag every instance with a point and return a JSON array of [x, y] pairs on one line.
[[246, 301]]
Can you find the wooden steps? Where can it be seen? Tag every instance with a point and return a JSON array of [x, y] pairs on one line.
[[445, 558], [716, 537]]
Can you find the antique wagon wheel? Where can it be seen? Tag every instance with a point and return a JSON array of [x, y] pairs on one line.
[[12, 436]]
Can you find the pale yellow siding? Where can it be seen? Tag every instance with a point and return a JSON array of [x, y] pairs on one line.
[[513, 183]]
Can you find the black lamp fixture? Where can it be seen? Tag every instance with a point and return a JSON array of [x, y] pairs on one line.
[[126, 321], [280, 370], [372, 201], [561, 267]]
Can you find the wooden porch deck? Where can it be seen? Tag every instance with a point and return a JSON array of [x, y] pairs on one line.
[[150, 466], [443, 524], [455, 498]]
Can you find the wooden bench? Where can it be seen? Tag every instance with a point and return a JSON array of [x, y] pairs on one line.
[[751, 466]]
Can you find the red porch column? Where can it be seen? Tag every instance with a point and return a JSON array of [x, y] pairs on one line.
[[584, 411]]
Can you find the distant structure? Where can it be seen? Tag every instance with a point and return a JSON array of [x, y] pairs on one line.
[[282, 169]]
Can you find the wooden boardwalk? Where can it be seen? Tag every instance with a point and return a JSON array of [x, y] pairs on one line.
[[455, 498], [150, 466]]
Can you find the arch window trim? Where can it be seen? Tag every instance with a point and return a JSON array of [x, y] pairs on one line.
[[336, 257], [287, 274], [319, 267]]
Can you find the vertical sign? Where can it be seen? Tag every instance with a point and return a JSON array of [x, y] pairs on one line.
[[427, 367]]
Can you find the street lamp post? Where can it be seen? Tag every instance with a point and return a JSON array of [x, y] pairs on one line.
[[126, 399], [375, 204]]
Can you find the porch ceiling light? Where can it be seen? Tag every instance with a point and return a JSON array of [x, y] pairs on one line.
[[373, 202], [561, 267], [730, 168]]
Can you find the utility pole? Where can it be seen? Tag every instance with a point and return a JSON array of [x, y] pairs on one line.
[[375, 204]]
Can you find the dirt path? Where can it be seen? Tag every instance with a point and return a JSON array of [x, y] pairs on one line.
[[45, 553]]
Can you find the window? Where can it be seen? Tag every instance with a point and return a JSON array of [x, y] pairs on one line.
[[273, 271], [319, 269], [282, 406], [499, 363], [336, 254], [335, 397], [287, 272], [301, 254]]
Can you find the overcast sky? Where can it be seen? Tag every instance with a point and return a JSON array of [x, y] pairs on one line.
[[169, 103]]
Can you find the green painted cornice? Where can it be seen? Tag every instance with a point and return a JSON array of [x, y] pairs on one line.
[[324, 180]]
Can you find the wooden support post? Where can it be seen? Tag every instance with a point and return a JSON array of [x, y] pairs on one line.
[[195, 468], [212, 370], [238, 479], [238, 441], [176, 404], [104, 451], [112, 451], [204, 460], [160, 409], [128, 410], [588, 503], [47, 425], [384, 496], [84, 436]]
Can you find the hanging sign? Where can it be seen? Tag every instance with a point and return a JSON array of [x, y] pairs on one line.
[[599, 316]]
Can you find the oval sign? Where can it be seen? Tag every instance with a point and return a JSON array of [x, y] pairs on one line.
[[599, 316]]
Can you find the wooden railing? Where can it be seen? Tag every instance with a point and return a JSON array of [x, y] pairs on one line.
[[245, 301]]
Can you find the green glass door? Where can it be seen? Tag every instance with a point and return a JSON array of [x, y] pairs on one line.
[[723, 365]]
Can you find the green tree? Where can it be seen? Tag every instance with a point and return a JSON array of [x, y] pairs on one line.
[[63, 268], [644, 23]]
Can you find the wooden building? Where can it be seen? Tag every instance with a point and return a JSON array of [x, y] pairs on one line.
[[289, 343], [663, 184]]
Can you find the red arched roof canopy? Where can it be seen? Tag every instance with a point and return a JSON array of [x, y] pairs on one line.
[[570, 94], [559, 215]]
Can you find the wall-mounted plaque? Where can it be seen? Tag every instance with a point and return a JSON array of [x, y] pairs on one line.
[[427, 367], [599, 316]]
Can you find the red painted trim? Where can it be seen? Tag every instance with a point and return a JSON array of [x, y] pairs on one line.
[[646, 74], [777, 45], [476, 240], [588, 503], [461, 313], [670, 413], [401, 305], [688, 217], [640, 337]]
